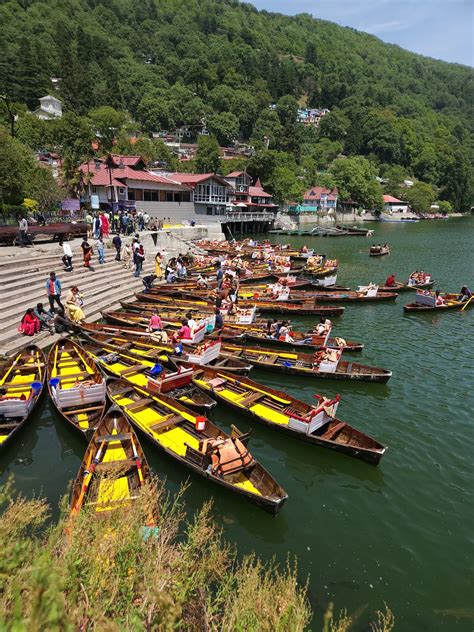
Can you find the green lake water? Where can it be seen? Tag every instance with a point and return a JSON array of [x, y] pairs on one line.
[[401, 533]]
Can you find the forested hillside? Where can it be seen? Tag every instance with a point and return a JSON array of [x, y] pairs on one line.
[[173, 62]]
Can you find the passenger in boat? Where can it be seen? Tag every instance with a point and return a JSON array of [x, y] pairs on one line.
[[465, 294], [219, 275], [439, 300], [390, 281], [183, 332], [30, 324], [148, 281], [285, 332], [219, 320], [45, 317], [155, 323], [74, 304], [191, 322]]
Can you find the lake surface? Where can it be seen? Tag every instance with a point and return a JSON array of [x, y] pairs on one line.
[[401, 533]]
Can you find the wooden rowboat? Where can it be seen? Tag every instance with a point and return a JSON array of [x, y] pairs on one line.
[[379, 251], [452, 303], [148, 348], [199, 444], [151, 376], [76, 386], [328, 296], [301, 340], [21, 386], [113, 469], [405, 287], [315, 424], [269, 306], [313, 365]]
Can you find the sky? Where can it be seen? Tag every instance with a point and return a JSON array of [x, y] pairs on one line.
[[443, 29]]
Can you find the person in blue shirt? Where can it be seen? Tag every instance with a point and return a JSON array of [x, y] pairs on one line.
[[53, 291], [465, 294]]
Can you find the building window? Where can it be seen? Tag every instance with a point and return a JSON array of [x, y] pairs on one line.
[[94, 190], [169, 196], [150, 195]]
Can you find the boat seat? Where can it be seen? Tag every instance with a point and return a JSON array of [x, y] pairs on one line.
[[250, 399], [86, 409], [74, 376], [133, 369], [6, 426], [110, 438], [137, 404], [272, 359], [332, 432], [217, 381], [170, 421]]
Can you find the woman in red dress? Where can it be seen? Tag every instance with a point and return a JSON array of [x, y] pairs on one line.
[[30, 324]]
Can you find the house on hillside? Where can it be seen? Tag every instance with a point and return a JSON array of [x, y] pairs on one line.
[[394, 205], [247, 197], [212, 194], [311, 116], [50, 108], [316, 199], [125, 182]]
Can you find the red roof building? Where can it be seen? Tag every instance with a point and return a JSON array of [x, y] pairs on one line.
[[124, 180], [394, 205]]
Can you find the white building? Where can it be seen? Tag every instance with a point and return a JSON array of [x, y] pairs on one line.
[[50, 108], [394, 205]]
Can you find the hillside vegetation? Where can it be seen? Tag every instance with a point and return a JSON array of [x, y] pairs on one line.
[[174, 62]]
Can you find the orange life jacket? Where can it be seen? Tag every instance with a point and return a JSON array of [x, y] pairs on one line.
[[230, 456]]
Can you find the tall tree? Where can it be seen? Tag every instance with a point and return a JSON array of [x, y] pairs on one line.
[[207, 155]]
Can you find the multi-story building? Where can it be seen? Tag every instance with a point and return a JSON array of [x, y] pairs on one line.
[[50, 108], [212, 194]]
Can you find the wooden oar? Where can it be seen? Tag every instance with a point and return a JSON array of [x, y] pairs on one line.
[[137, 461], [87, 480], [467, 303], [14, 363]]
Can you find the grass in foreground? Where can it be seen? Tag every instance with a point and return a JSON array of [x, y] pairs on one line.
[[104, 575]]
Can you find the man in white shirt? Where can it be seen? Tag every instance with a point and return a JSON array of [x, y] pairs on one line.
[[67, 257]]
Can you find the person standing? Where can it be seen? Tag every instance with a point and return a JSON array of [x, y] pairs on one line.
[[127, 256], [67, 257], [104, 225], [53, 291], [87, 253], [158, 266], [23, 225], [139, 259], [117, 242], [219, 275], [97, 227], [89, 221], [100, 250]]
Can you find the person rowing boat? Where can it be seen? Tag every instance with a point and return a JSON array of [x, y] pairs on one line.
[[465, 294]]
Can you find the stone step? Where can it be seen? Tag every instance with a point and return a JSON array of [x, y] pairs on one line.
[[91, 283], [11, 340], [16, 282]]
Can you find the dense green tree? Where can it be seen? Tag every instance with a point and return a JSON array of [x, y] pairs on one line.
[[287, 108], [285, 185], [207, 155], [267, 129], [445, 207], [41, 186], [334, 125], [421, 196], [356, 179], [107, 122], [16, 164], [224, 126]]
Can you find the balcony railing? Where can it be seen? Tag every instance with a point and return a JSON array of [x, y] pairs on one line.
[[238, 217]]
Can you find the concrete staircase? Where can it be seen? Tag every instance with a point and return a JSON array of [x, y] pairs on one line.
[[22, 283]]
